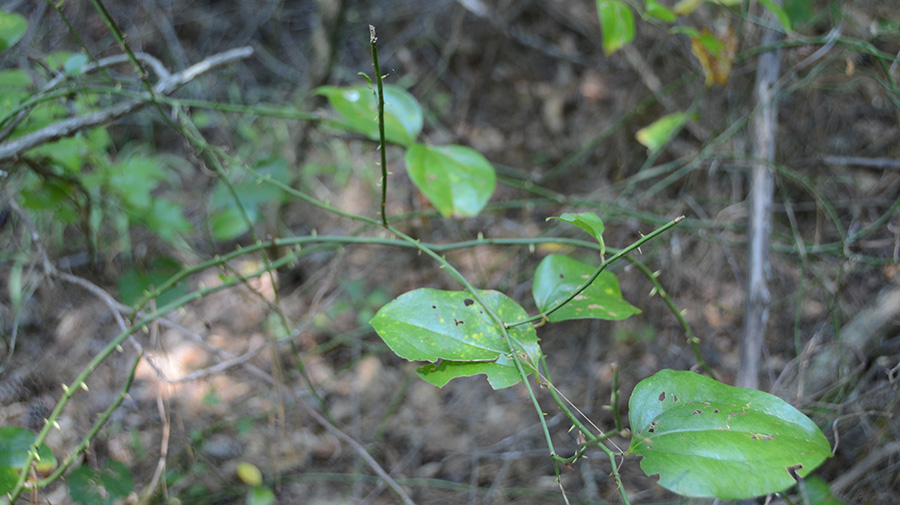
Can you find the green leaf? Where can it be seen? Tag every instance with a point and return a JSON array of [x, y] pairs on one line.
[[684, 7], [431, 325], [260, 495], [69, 152], [819, 493], [557, 277], [74, 64], [458, 180], [166, 220], [779, 13], [358, 106], [658, 134], [133, 179], [656, 10], [96, 487], [133, 284], [14, 445], [12, 28], [229, 224], [116, 478], [799, 11], [84, 486], [708, 439], [616, 24], [587, 221], [502, 373]]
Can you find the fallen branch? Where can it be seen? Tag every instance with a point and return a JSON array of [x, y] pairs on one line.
[[168, 83]]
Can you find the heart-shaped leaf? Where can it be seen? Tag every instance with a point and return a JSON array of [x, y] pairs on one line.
[[557, 277], [708, 439], [450, 326], [358, 106], [457, 180]]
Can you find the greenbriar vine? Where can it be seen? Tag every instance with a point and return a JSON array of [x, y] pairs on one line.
[[703, 438]]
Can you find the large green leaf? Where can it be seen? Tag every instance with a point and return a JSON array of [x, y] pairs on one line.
[[12, 28], [708, 439], [433, 325], [616, 24], [557, 277], [458, 180], [358, 106]]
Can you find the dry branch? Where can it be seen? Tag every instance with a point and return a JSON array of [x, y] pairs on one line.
[[763, 128], [168, 83]]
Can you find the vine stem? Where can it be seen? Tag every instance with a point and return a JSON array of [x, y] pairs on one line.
[[373, 39], [500, 324], [603, 266]]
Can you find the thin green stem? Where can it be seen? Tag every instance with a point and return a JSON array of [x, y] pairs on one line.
[[603, 266], [373, 39], [500, 324], [94, 430], [614, 397], [593, 440]]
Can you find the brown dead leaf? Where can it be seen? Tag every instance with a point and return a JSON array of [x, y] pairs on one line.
[[716, 54]]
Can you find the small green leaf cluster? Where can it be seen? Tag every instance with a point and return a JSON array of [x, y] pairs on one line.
[[82, 180], [236, 206], [715, 52], [456, 179]]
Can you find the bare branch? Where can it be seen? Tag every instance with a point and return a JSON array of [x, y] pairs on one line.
[[10, 151]]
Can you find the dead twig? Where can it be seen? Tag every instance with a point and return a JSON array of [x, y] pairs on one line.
[[11, 150], [764, 126]]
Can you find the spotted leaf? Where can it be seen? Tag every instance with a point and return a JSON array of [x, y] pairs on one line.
[[708, 439], [557, 277], [452, 330]]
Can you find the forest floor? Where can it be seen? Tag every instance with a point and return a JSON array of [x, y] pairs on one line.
[[526, 84]]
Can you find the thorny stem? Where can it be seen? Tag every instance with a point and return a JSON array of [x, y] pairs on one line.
[[498, 322], [373, 39], [560, 303], [592, 439]]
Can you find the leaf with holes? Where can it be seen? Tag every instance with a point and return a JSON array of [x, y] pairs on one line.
[[708, 439], [450, 326], [358, 106], [557, 277], [458, 180]]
